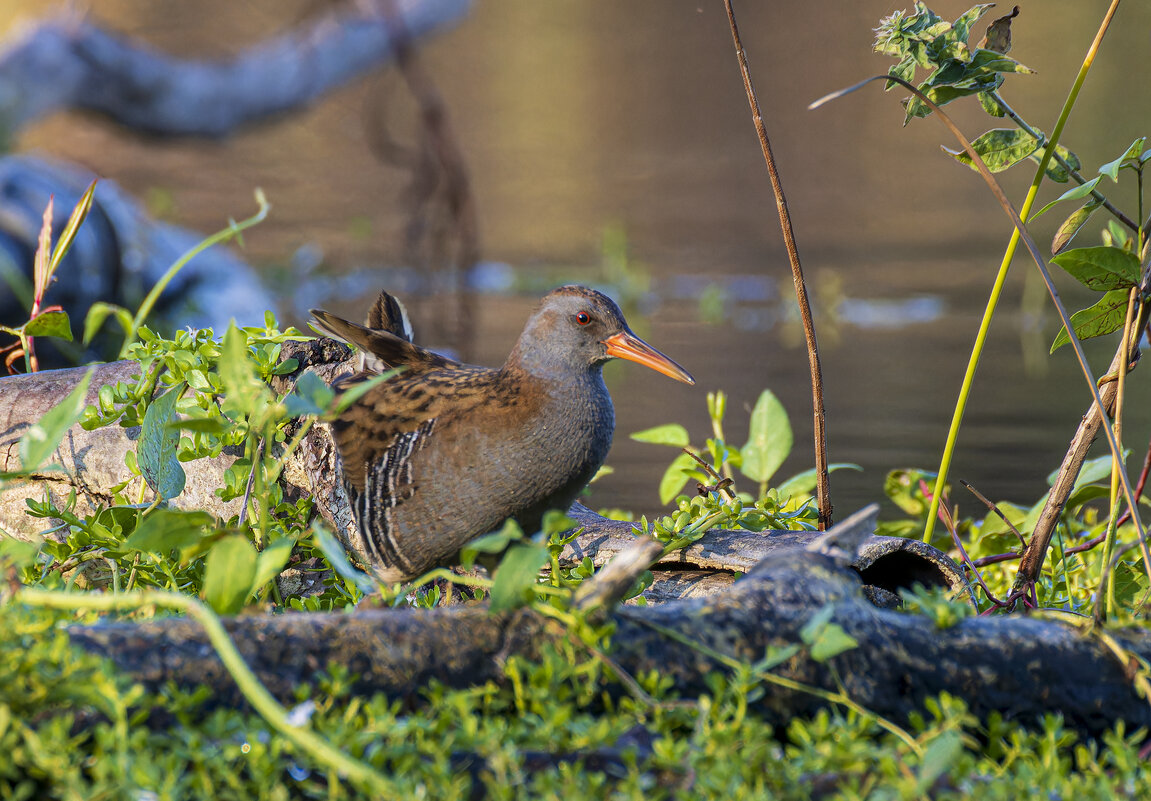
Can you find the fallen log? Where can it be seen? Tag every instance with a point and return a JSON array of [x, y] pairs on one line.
[[1022, 668], [93, 462]]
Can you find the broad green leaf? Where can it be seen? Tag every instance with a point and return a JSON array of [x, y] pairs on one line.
[[494, 542], [826, 639], [516, 574], [229, 570], [831, 641], [999, 148], [671, 434], [43, 436], [167, 529], [338, 558], [49, 324], [312, 395], [98, 312], [803, 483], [940, 755], [1130, 582], [674, 478], [1073, 225], [1111, 168], [156, 451], [271, 561], [1105, 317], [1055, 170], [985, 60], [769, 439], [1082, 190], [1100, 268]]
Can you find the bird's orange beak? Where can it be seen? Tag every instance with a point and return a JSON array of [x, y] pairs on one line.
[[626, 345]]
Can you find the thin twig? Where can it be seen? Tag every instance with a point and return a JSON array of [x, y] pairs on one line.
[[992, 507], [823, 480]]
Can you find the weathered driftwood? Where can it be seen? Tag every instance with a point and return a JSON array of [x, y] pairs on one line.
[[1020, 667], [93, 461], [71, 63]]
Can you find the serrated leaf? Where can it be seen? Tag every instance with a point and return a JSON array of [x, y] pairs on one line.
[[1105, 317], [1100, 268], [675, 477], [940, 754], [1111, 168], [50, 324], [167, 529], [1072, 226], [229, 570], [1082, 190], [769, 439], [43, 436], [671, 434], [516, 574], [156, 450], [1000, 148]]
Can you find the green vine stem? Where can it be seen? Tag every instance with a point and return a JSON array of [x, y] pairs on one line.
[[1001, 277], [319, 749]]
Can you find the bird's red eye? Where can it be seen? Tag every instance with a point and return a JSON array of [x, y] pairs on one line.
[[583, 318]]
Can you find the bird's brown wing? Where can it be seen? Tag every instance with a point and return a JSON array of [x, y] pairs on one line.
[[387, 349]]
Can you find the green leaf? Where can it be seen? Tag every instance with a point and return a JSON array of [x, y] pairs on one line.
[[1130, 581], [494, 542], [671, 434], [201, 425], [229, 570], [940, 755], [1082, 190], [156, 451], [675, 477], [1111, 168], [49, 324], [826, 639], [241, 385], [68, 235], [999, 148], [1100, 268], [43, 436], [1055, 170], [1105, 317], [271, 561], [338, 558], [989, 105], [516, 574], [1073, 225], [769, 439], [963, 23], [311, 396], [803, 483], [98, 312], [167, 529]]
